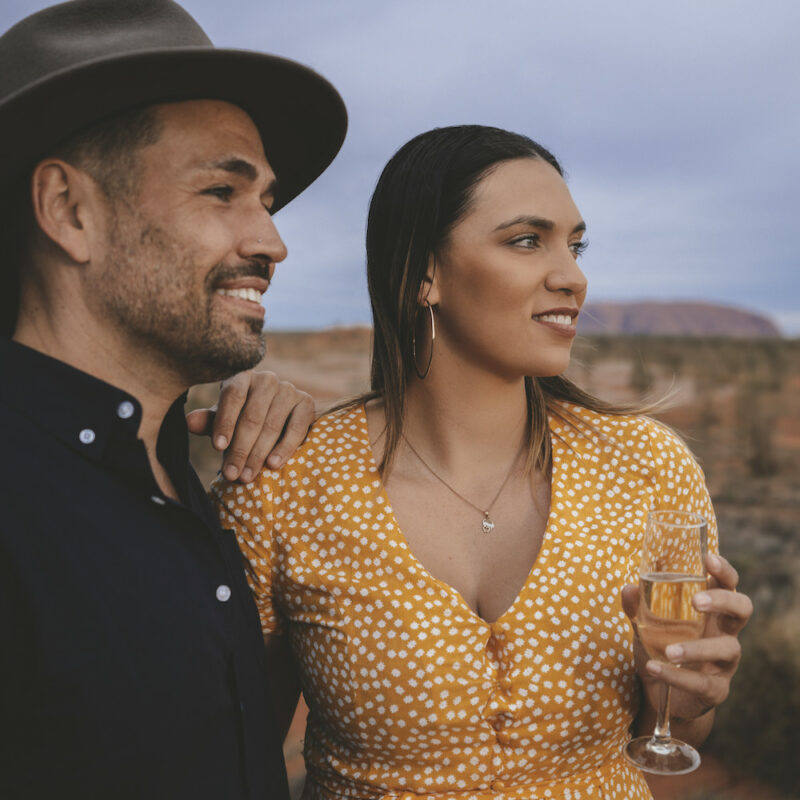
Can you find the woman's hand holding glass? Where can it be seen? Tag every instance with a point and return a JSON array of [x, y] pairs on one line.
[[699, 670], [686, 641]]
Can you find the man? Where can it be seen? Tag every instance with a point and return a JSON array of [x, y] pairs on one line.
[[139, 169]]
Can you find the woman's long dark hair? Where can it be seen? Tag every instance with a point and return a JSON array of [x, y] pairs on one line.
[[422, 193]]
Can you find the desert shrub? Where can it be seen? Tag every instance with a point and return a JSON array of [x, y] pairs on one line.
[[756, 728], [641, 379]]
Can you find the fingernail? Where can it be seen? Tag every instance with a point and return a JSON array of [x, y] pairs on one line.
[[702, 601], [654, 668], [674, 652], [247, 475], [274, 461], [714, 561], [221, 442], [230, 472]]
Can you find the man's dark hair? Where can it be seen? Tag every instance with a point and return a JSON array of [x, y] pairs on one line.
[[108, 152]]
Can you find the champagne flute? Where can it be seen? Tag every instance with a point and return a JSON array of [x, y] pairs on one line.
[[671, 573]]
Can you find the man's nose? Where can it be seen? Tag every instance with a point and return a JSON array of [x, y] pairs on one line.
[[262, 239]]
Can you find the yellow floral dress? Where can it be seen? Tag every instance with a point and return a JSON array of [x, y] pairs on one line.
[[411, 695]]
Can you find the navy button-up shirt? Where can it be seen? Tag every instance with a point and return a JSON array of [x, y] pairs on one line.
[[131, 658]]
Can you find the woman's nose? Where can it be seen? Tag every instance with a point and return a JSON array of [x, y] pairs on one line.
[[567, 276]]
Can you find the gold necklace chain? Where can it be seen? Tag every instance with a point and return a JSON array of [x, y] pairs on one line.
[[487, 523]]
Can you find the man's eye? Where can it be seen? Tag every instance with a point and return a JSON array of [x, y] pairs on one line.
[[222, 192]]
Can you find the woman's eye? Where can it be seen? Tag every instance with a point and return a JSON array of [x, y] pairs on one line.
[[222, 192], [579, 248], [529, 241]]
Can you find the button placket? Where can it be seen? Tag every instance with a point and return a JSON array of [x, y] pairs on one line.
[[500, 707], [503, 737]]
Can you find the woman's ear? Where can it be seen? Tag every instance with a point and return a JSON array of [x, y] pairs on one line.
[[64, 200], [429, 288]]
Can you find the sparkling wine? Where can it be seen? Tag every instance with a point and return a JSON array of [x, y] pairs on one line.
[[666, 615]]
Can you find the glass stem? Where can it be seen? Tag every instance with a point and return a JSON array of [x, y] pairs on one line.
[[661, 734]]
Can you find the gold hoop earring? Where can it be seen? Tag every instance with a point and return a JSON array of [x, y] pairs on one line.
[[423, 375]]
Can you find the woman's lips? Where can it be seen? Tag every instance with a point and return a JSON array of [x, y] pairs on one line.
[[562, 322]]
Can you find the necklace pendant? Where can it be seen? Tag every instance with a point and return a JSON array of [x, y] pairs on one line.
[[487, 526]]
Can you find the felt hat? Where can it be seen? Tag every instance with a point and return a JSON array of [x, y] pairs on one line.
[[70, 65]]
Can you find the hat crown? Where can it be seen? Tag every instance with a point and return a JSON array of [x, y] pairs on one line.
[[82, 31]]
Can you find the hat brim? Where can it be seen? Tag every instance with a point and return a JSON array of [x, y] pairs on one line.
[[300, 116]]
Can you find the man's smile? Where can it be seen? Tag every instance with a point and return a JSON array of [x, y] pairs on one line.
[[252, 295]]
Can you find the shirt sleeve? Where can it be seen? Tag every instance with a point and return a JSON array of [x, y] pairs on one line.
[[247, 510], [680, 482]]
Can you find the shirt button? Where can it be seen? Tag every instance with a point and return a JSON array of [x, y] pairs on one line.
[[159, 501], [223, 593], [125, 409], [86, 436]]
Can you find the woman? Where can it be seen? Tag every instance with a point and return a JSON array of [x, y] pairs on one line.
[[446, 555]]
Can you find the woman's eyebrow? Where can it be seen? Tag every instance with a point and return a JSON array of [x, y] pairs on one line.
[[536, 222]]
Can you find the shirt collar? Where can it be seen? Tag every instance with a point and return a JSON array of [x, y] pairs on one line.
[[83, 412]]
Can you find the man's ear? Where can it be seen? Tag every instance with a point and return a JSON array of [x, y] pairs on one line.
[[64, 200], [429, 288]]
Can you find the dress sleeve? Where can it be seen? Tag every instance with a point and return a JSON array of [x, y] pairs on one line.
[[247, 510], [680, 482]]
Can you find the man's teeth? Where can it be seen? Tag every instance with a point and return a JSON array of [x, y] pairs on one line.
[[244, 294], [559, 319]]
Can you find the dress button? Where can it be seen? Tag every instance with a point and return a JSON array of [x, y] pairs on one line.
[[505, 684], [86, 436], [125, 409], [223, 593], [497, 723], [503, 737]]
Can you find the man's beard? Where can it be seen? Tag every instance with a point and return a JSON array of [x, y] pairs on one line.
[[151, 290]]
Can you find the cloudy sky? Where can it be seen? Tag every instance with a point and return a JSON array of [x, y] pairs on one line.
[[678, 123]]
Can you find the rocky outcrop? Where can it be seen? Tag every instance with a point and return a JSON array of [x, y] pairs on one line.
[[679, 318]]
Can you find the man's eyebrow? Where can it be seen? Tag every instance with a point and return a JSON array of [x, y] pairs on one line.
[[240, 167], [536, 222]]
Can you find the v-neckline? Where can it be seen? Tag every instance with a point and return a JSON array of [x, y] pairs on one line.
[[369, 458]]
